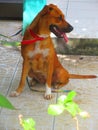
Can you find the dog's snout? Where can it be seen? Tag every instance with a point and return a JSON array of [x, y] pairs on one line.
[[70, 28], [67, 29]]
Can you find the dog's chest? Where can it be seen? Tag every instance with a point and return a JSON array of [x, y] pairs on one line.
[[38, 51], [38, 58]]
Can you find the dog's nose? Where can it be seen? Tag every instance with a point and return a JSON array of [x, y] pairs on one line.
[[70, 28], [67, 29]]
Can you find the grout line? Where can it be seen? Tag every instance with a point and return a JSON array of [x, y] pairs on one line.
[[10, 84], [67, 8], [53, 128], [13, 76]]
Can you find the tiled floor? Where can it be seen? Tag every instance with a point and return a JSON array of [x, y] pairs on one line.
[[83, 15], [32, 104]]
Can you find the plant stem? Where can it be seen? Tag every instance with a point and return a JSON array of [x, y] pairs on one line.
[[77, 123]]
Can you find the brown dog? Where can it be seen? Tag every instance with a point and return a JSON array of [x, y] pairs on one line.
[[40, 61]]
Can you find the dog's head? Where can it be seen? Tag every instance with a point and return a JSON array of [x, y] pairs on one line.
[[52, 19], [59, 26]]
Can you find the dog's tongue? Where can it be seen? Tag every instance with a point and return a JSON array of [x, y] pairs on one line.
[[65, 37]]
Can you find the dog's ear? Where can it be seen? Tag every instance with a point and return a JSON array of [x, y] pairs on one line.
[[46, 10], [50, 8], [40, 14]]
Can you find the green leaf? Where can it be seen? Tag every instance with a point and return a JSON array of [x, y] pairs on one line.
[[66, 103], [4, 102], [11, 43], [72, 108], [70, 96], [55, 109], [28, 124], [61, 99]]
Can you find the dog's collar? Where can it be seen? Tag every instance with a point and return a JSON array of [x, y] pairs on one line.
[[31, 41]]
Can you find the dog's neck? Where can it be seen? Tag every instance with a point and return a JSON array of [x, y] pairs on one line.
[[35, 37], [44, 35], [40, 32]]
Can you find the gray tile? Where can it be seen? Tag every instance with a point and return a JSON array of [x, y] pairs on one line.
[[66, 122], [8, 64]]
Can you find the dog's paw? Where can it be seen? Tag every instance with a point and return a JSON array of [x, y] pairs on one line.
[[48, 97], [48, 94], [14, 94]]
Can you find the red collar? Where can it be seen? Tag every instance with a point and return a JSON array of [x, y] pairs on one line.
[[36, 38]]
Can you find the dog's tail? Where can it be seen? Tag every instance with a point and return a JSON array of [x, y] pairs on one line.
[[76, 76]]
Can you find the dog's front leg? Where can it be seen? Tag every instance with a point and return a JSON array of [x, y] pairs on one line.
[[20, 88], [48, 94]]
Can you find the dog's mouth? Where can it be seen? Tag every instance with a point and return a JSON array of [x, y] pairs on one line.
[[60, 32]]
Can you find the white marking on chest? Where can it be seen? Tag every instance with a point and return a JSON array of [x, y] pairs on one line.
[[37, 50]]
